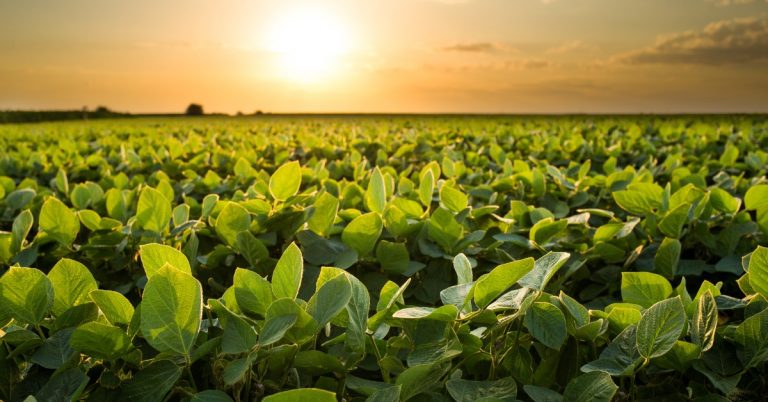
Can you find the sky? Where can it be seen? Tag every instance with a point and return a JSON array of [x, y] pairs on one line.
[[386, 56]]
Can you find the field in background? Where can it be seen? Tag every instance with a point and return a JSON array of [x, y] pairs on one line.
[[385, 258]]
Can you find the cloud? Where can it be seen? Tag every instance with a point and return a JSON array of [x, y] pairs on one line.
[[571, 46], [478, 47], [724, 3], [724, 42]]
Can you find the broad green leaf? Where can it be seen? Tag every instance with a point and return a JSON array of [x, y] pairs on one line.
[[71, 282], [171, 311], [590, 387], [546, 229], [393, 257], [704, 326], [211, 395], [239, 336], [673, 222], [376, 194], [58, 221], [286, 278], [546, 323], [752, 335], [251, 248], [101, 341], [65, 385], [542, 394], [489, 287], [252, 292], [636, 202], [463, 269], [443, 228], [758, 270], [362, 233], [469, 391], [151, 383], [281, 316], [453, 199], [285, 182], [667, 257], [116, 308], [756, 197], [330, 299], [155, 256], [154, 210], [326, 208], [26, 295], [644, 288], [55, 351], [660, 327], [444, 313], [620, 357], [386, 394], [417, 379], [302, 395], [426, 188], [21, 227], [235, 370], [543, 270], [232, 220]]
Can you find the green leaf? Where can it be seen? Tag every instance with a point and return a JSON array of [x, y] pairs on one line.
[[756, 198], [302, 395], [393, 257], [235, 370], [758, 270], [152, 383], [542, 394], [546, 229], [232, 220], [660, 326], [282, 314], [211, 395], [330, 299], [469, 391], [463, 269], [620, 357], [752, 335], [444, 313], [489, 287], [704, 326], [362, 233], [154, 210], [636, 202], [286, 278], [55, 352], [644, 288], [417, 379], [22, 224], [667, 257], [66, 385], [155, 256], [71, 282], [285, 182], [252, 292], [251, 248], [239, 336], [453, 199], [101, 341], [426, 188], [443, 228], [171, 311], [58, 221], [376, 194], [26, 295], [326, 208], [544, 269], [672, 224], [590, 387], [116, 308], [386, 394], [546, 323]]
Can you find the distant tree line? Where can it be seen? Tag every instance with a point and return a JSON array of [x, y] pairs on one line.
[[34, 116]]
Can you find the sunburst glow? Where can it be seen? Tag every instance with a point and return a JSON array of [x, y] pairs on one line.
[[310, 44]]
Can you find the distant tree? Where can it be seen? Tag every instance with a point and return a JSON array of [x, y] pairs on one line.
[[258, 112], [103, 110], [194, 109]]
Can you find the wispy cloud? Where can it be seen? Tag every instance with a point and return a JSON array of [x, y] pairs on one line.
[[724, 42], [724, 3], [479, 47], [571, 46]]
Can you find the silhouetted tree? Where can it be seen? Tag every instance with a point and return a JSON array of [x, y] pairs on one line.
[[194, 109]]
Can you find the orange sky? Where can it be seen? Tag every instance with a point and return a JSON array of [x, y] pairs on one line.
[[487, 56]]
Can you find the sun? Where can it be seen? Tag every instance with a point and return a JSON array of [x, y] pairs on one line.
[[309, 44]]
